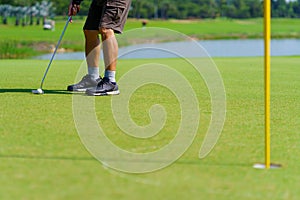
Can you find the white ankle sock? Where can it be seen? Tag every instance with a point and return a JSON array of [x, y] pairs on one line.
[[93, 72], [111, 75]]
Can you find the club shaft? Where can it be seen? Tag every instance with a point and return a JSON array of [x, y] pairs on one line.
[[55, 50]]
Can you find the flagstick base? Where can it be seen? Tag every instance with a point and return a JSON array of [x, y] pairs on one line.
[[263, 166]]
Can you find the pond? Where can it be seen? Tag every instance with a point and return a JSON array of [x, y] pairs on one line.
[[213, 48]]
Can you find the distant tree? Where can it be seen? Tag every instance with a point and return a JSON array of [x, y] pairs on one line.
[[255, 8], [33, 13], [134, 9], [208, 9], [279, 8], [5, 12], [221, 7], [23, 15], [296, 8], [167, 9], [37, 13], [164, 9], [16, 11], [241, 9], [146, 10], [5, 2], [182, 11]]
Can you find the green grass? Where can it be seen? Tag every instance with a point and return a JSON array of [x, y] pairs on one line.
[[207, 29], [42, 157], [228, 28], [39, 41]]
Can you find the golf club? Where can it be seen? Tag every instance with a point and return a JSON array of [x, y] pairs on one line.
[[40, 90]]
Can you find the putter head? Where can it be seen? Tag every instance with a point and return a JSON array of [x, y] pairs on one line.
[[37, 91]]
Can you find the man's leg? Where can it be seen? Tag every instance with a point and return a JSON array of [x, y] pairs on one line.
[[108, 85], [112, 21], [92, 49], [110, 53], [92, 52]]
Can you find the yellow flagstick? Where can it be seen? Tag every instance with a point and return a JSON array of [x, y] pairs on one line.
[[267, 31], [267, 38]]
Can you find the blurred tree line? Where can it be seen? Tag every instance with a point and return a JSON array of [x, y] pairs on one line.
[[164, 9], [184, 9], [25, 13]]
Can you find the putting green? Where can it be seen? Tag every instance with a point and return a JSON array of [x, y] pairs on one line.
[[42, 157]]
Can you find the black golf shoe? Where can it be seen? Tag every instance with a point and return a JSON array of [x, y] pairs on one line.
[[104, 87], [85, 83]]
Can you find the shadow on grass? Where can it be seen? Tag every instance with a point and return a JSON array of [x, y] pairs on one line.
[[74, 158], [46, 157], [24, 90]]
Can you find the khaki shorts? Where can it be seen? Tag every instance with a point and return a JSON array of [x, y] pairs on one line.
[[110, 14]]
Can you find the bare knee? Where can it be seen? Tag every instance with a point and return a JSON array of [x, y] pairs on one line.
[[91, 34], [106, 33]]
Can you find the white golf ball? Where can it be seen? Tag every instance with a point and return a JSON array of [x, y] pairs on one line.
[[40, 91]]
